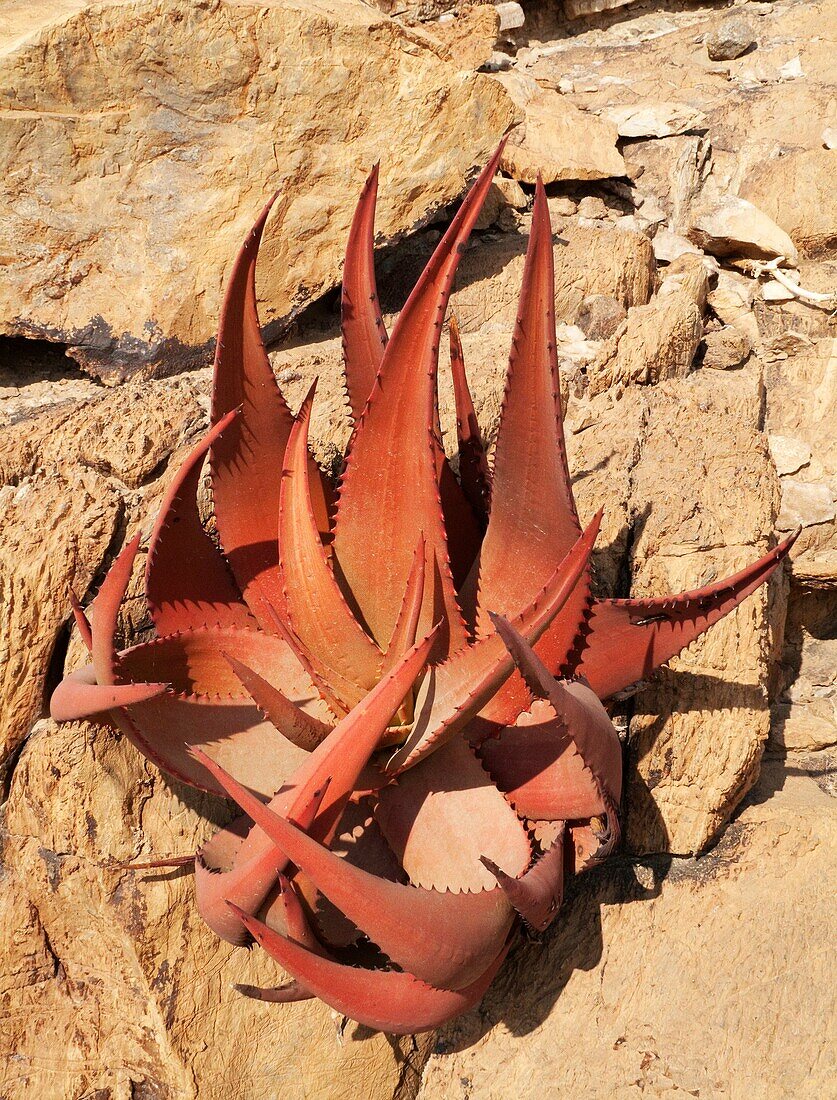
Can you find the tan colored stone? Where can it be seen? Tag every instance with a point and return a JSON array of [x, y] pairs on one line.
[[658, 340], [131, 177], [801, 405], [725, 348], [657, 120], [469, 35], [556, 139], [731, 226], [578, 9], [710, 499], [55, 531], [805, 716], [504, 197], [797, 191], [589, 260], [709, 977], [138, 992], [731, 300]]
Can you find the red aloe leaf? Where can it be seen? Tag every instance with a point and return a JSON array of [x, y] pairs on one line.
[[223, 872], [79, 696], [537, 894], [209, 706], [338, 762], [454, 692], [245, 461], [533, 520], [364, 334], [301, 729], [390, 491], [187, 582], [474, 474], [316, 608], [444, 939], [82, 622], [439, 820], [386, 1000], [105, 612], [562, 760], [629, 639]]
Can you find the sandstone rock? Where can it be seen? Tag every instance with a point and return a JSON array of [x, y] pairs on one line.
[[801, 406], [671, 172], [664, 978], [136, 990], [592, 259], [805, 717], [561, 206], [670, 246], [556, 139], [731, 39], [591, 206], [130, 184], [511, 15], [706, 503], [469, 34], [789, 455], [797, 191], [731, 300], [505, 195], [725, 349], [658, 340], [734, 227], [54, 534], [600, 316], [805, 504], [657, 120], [576, 9]]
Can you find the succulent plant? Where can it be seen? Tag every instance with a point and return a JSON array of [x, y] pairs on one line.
[[400, 682]]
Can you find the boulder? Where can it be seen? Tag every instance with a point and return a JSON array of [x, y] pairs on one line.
[[801, 407], [797, 191], [589, 260], [655, 120], [707, 977], [131, 177], [556, 139], [658, 340], [731, 226], [704, 503], [725, 348]]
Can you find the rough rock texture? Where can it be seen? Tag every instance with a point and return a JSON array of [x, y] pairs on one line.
[[131, 176], [698, 732], [589, 260], [137, 991], [805, 716], [797, 191], [731, 39], [802, 409], [556, 139], [56, 532], [658, 340], [726, 348], [693, 977], [731, 226]]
